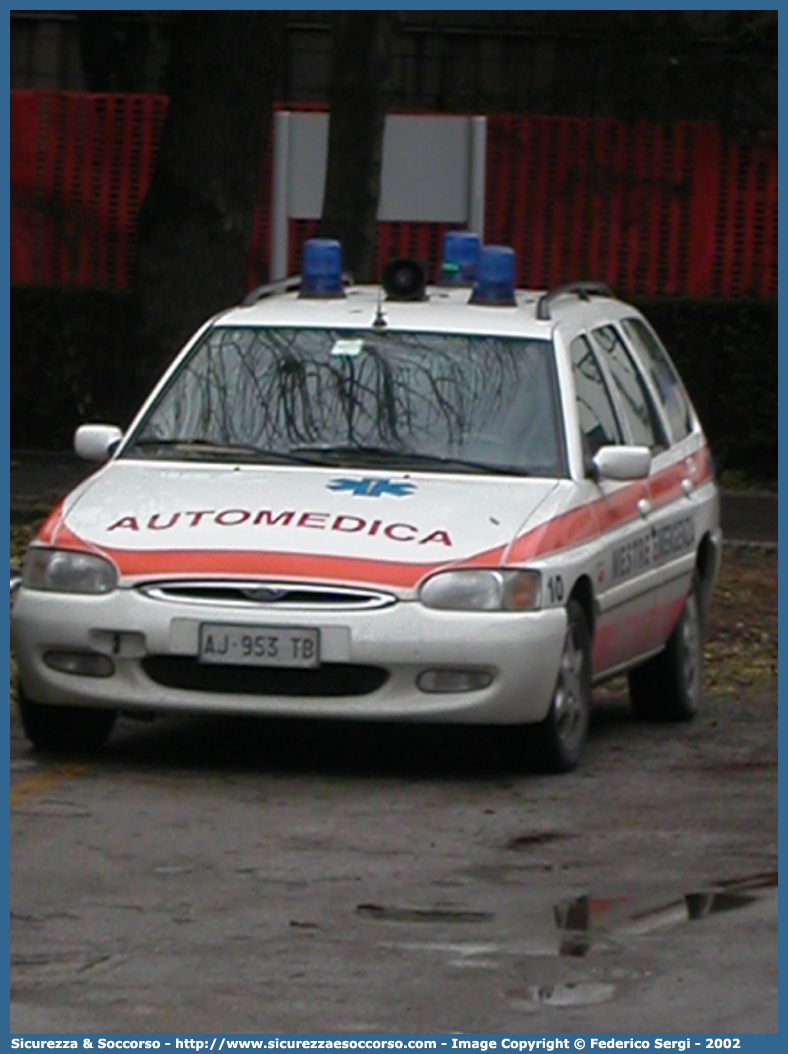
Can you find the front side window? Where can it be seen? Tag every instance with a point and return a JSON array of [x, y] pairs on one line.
[[663, 376], [633, 397], [598, 424], [408, 400]]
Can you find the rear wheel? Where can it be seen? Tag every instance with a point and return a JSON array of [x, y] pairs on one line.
[[560, 739], [64, 729], [668, 687]]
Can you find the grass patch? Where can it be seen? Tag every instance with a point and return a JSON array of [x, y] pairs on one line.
[[741, 637]]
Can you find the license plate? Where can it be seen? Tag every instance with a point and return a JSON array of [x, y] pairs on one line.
[[233, 645]]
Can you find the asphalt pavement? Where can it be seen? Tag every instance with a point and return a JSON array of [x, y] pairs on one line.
[[38, 479]]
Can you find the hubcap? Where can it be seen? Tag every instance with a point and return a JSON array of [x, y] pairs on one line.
[[569, 703]]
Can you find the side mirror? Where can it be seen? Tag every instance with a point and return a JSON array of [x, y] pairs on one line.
[[96, 442], [621, 462]]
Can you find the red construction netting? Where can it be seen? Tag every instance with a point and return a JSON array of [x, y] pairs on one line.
[[649, 209], [80, 167]]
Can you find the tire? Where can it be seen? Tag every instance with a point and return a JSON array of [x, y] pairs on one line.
[[668, 687], [65, 729], [560, 739]]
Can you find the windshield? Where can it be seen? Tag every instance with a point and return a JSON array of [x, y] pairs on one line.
[[335, 397]]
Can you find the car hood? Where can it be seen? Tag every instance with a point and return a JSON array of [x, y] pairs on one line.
[[164, 521]]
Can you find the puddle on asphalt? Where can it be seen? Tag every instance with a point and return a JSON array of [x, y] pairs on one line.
[[46, 970], [67, 810], [587, 921], [574, 928], [392, 913], [535, 838], [584, 921], [581, 993]]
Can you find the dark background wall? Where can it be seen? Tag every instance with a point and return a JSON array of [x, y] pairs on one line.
[[718, 66]]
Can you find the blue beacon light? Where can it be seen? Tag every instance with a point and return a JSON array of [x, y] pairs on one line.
[[321, 273], [495, 277], [460, 254]]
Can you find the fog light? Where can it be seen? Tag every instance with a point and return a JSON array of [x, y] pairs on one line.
[[118, 642], [434, 681], [81, 663]]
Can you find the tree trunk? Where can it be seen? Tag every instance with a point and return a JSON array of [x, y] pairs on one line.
[[195, 224], [358, 99]]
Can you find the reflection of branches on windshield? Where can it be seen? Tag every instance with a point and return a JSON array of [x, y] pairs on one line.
[[249, 408], [381, 396], [466, 383], [300, 387], [285, 393], [410, 398], [423, 392], [386, 398]]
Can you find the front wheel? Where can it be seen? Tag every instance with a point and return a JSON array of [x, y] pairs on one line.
[[668, 687], [560, 739], [64, 729]]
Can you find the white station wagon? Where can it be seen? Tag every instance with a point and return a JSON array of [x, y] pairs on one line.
[[459, 503]]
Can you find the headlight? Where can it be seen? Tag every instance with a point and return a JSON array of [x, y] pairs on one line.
[[63, 571], [483, 591]]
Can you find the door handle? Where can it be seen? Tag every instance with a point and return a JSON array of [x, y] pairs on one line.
[[644, 507]]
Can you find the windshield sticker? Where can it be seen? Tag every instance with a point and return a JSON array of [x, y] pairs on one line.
[[372, 488], [347, 348]]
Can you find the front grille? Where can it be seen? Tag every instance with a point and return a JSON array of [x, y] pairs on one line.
[[331, 679], [267, 594]]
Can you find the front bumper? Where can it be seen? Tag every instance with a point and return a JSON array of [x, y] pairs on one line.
[[521, 651]]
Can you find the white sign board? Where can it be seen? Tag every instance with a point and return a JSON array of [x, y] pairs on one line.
[[433, 171]]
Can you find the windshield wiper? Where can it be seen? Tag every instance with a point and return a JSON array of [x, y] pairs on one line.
[[340, 455], [348, 454], [204, 448]]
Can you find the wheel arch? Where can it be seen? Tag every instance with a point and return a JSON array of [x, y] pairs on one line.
[[706, 565], [583, 594]]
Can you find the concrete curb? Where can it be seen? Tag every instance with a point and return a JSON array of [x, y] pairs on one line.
[[737, 545]]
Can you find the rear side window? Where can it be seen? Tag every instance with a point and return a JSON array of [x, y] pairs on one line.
[[597, 417], [663, 376], [633, 396]]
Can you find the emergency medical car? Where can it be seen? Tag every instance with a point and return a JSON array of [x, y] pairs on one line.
[[455, 503]]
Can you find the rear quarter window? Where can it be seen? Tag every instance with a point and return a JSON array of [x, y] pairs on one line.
[[662, 374], [595, 412], [634, 400]]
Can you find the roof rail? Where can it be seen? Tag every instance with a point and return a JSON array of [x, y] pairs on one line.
[[585, 290], [284, 285]]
